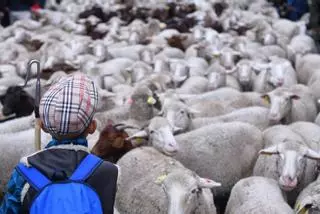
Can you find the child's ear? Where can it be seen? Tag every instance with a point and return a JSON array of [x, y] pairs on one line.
[[41, 125]]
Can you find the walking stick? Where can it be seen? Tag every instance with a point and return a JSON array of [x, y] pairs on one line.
[[37, 138]]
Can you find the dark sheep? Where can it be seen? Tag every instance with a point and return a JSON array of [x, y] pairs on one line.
[[126, 14], [162, 14], [46, 73], [98, 12], [219, 7], [142, 13], [33, 45], [182, 10], [176, 41], [17, 101], [182, 25]]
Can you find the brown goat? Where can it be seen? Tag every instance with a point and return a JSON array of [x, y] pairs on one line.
[[112, 143]]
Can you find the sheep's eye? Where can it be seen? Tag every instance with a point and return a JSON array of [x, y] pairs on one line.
[[182, 111], [151, 131], [194, 191]]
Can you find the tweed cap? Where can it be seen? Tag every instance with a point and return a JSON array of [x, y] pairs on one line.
[[69, 105]]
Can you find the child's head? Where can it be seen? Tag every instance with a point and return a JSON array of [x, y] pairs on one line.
[[67, 108]]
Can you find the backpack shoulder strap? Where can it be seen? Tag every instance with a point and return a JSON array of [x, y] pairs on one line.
[[35, 178], [86, 168]]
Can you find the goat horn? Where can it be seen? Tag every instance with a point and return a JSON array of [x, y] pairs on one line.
[[124, 126]]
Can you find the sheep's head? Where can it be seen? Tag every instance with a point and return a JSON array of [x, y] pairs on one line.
[[180, 70], [228, 58], [291, 162], [280, 102], [177, 113], [187, 192], [160, 135], [245, 73]]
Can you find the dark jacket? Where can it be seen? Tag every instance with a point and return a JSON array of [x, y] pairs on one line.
[[314, 22], [65, 158], [5, 15], [298, 9]]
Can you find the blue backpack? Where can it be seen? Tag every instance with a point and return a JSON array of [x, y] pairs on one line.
[[72, 196]]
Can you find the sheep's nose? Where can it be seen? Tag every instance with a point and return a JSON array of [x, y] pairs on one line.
[[171, 145], [280, 82], [288, 178], [228, 67]]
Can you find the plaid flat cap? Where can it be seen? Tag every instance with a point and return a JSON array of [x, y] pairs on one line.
[[69, 105]]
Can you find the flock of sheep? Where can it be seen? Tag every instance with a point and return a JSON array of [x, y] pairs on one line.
[[219, 98]]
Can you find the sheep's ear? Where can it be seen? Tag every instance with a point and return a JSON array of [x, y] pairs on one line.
[[140, 134], [193, 111], [216, 53], [237, 53], [180, 78], [106, 93], [161, 112], [207, 183], [269, 151], [294, 97], [312, 154], [234, 69], [176, 129]]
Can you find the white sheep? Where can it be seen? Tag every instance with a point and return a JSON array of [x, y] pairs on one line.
[[17, 125], [292, 162], [256, 115], [291, 104], [300, 44], [278, 72], [225, 152], [309, 131], [17, 145], [257, 195], [305, 66], [151, 182], [194, 85]]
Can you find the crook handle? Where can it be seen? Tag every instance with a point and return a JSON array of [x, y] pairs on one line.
[[38, 90]]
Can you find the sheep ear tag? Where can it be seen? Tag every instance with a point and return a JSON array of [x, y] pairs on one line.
[[139, 140], [301, 209], [151, 100], [266, 99], [161, 178]]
